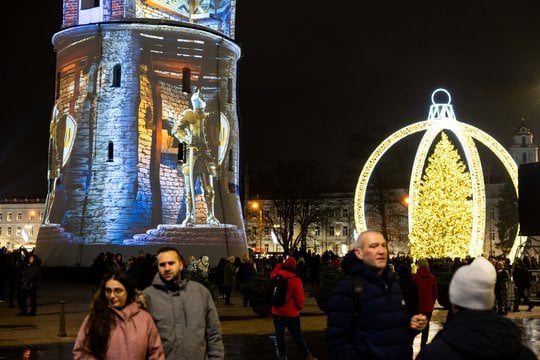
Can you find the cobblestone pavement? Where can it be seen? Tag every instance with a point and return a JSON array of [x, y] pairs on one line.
[[246, 335]]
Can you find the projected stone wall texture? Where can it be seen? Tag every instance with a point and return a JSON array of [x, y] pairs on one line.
[[144, 142]]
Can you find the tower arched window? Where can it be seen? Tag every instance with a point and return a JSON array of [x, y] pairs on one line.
[[88, 4], [186, 79], [231, 158], [229, 90], [524, 157], [57, 84], [523, 141], [117, 75], [110, 152]]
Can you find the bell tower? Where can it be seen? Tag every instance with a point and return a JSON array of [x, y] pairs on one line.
[[523, 148]]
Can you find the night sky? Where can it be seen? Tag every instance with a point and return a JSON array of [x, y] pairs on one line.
[[312, 77]]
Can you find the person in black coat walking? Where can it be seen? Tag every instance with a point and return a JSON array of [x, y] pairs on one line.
[[522, 282], [246, 271], [30, 285]]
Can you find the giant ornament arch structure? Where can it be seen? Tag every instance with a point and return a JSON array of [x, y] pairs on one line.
[[441, 117]]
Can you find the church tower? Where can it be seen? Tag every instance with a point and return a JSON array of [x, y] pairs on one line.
[[144, 135], [523, 148]]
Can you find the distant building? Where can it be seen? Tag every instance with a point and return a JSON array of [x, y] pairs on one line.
[[19, 222]]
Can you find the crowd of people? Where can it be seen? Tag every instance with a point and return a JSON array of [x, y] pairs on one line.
[[20, 269], [162, 306]]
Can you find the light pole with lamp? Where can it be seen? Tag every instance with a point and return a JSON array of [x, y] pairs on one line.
[[255, 205]]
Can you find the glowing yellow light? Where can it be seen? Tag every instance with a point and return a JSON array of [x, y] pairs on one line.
[[441, 116]]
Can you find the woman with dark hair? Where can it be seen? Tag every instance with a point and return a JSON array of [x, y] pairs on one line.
[[118, 327]]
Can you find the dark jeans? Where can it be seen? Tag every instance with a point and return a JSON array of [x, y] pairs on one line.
[[228, 290], [23, 301], [521, 294], [13, 293], [293, 325], [425, 332]]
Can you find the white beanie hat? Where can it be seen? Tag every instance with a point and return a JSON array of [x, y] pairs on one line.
[[473, 286]]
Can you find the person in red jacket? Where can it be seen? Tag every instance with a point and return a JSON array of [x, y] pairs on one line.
[[288, 315], [427, 294]]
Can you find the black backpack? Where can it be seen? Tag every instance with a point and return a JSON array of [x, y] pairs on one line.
[[277, 290]]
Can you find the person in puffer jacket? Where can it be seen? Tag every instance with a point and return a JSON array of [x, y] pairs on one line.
[[379, 326], [475, 331], [118, 327]]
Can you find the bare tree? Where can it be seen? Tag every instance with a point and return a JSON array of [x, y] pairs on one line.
[[294, 204]]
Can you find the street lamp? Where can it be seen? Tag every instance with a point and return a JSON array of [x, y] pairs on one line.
[[256, 206]]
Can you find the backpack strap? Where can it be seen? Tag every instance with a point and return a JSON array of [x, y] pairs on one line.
[[358, 290]]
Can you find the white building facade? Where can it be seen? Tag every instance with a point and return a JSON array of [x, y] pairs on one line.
[[19, 222]]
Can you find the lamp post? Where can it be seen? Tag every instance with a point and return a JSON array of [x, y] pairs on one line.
[[255, 205]]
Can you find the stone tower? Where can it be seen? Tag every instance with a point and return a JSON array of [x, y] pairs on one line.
[[144, 133]]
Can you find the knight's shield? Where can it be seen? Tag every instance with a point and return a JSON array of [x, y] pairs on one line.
[[217, 132], [69, 138]]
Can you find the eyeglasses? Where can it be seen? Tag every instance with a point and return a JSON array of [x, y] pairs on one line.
[[117, 291]]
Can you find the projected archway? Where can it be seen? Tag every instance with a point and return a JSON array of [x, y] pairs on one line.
[[441, 117]]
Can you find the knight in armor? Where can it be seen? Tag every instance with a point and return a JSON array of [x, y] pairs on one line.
[[195, 128]]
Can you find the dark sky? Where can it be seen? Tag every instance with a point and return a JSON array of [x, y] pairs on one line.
[[312, 75]]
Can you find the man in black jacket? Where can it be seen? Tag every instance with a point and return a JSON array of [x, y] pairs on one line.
[[378, 326]]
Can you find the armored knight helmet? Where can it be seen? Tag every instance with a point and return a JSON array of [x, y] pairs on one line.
[[197, 102]]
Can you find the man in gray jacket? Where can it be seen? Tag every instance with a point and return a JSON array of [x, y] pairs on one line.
[[184, 312]]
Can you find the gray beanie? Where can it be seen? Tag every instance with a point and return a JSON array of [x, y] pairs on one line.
[[473, 286]]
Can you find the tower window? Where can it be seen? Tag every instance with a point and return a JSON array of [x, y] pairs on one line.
[[229, 90], [110, 152], [57, 85], [88, 4], [117, 75], [186, 80], [524, 157], [231, 167]]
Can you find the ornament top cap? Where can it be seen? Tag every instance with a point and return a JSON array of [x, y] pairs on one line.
[[443, 91], [439, 110]]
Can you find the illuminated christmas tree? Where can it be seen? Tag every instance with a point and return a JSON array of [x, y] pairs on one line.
[[443, 224]]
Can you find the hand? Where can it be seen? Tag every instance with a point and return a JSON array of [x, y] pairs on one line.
[[418, 322]]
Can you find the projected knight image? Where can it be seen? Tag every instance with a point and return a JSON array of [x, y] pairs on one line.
[[144, 142]]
